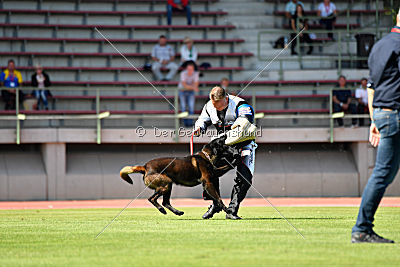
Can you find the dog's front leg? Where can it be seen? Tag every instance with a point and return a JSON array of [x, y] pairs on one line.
[[210, 188]]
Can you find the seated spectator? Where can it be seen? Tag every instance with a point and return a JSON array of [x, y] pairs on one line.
[[163, 56], [362, 100], [327, 11], [188, 53], [41, 80], [291, 6], [342, 101], [189, 85], [179, 6], [303, 37], [11, 79]]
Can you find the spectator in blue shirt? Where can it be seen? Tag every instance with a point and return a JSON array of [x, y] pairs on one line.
[[342, 101], [10, 78]]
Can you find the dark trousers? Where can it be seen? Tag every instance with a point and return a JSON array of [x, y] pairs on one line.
[[9, 99], [361, 109], [386, 167], [305, 38], [328, 24], [186, 9], [242, 184], [352, 109]]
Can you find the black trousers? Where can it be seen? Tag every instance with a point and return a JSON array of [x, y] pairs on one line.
[[305, 38], [9, 99], [352, 110], [242, 184], [328, 23]]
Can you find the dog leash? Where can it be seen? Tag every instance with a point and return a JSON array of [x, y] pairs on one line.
[[191, 144]]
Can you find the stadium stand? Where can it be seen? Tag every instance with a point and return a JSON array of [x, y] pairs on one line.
[[89, 77]]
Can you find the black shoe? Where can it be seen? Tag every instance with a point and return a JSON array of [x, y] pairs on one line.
[[232, 217], [360, 237], [211, 211]]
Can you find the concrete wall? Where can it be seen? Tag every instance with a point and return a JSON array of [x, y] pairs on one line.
[[70, 170]]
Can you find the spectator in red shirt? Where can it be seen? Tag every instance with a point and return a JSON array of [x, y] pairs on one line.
[[180, 6]]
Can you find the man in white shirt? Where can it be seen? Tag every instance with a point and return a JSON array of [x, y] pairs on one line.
[[362, 99], [163, 55], [327, 11]]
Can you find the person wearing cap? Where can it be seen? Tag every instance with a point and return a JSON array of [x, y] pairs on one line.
[[41, 80], [362, 100], [188, 53], [224, 111], [384, 107]]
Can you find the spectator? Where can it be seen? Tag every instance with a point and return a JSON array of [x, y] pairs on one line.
[[362, 100], [188, 53], [224, 84], [291, 8], [41, 80], [11, 79], [342, 101], [163, 56], [180, 6], [327, 11], [189, 85], [303, 37]]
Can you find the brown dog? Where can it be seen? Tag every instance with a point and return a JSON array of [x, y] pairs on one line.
[[201, 168]]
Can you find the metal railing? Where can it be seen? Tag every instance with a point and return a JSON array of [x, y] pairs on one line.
[[99, 115]]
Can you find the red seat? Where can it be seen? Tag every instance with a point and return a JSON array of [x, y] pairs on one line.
[[113, 54], [97, 12], [144, 27], [41, 39]]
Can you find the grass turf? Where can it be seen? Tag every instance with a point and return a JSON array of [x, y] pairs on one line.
[[144, 237]]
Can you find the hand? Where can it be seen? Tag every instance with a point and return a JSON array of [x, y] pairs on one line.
[[164, 62], [179, 7], [345, 106], [197, 132], [374, 135]]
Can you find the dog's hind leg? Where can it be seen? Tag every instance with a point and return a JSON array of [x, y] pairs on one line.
[[153, 200], [167, 204], [210, 188]]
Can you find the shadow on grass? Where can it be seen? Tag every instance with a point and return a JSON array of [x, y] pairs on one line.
[[252, 219]]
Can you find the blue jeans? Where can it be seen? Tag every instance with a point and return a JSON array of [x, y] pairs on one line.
[[41, 95], [185, 9], [186, 99], [386, 167]]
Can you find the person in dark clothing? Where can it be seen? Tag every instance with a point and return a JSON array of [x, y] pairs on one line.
[[384, 108], [342, 101], [41, 80], [298, 17], [179, 6]]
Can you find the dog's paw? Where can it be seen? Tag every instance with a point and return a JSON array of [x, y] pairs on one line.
[[179, 213], [162, 210]]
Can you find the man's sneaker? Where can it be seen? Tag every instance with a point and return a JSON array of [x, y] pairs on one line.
[[232, 217], [360, 237], [211, 211]]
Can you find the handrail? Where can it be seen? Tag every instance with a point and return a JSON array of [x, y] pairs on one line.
[[99, 116]]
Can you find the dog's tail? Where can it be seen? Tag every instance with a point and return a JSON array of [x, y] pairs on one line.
[[125, 171]]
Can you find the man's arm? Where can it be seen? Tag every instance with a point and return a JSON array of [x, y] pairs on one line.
[[202, 122], [374, 135]]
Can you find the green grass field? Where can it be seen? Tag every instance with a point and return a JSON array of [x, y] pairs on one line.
[[144, 237]]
